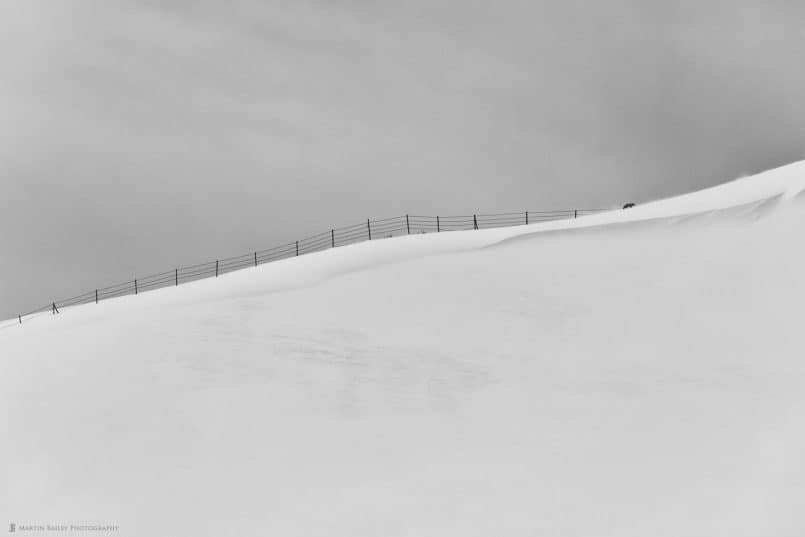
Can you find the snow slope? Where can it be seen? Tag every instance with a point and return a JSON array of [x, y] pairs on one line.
[[639, 372]]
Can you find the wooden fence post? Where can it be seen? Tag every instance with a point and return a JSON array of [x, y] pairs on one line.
[[369, 228], [135, 286], [177, 277], [55, 309], [407, 224], [438, 226], [575, 213], [20, 317], [255, 259], [216, 268], [96, 296], [332, 238], [526, 218], [297, 248], [475, 220]]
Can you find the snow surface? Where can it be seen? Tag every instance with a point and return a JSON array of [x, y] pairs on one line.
[[639, 372]]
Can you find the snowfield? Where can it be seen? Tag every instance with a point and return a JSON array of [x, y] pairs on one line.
[[634, 373]]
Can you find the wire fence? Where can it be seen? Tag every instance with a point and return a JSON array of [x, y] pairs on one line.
[[366, 230]]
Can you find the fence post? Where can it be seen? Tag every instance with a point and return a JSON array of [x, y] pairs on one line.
[[96, 296], [332, 237], [475, 220], [20, 317], [369, 228], [177, 277], [216, 268], [55, 309], [438, 226], [407, 224], [575, 213], [255, 259], [135, 286], [526, 218], [297, 248]]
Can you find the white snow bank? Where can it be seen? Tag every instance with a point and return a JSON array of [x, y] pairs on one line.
[[638, 372]]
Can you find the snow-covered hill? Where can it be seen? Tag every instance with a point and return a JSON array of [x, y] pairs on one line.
[[640, 372]]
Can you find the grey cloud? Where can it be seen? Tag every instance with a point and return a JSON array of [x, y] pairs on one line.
[[141, 135]]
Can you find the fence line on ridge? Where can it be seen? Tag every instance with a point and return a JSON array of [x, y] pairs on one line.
[[332, 238]]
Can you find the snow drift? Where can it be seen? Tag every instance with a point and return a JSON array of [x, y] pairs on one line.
[[639, 372]]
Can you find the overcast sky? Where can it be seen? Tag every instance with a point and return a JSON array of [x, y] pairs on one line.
[[137, 136]]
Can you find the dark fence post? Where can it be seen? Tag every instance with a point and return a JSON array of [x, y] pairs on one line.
[[475, 220], [55, 309], [526, 218], [177, 277], [407, 224], [135, 286], [297, 248], [96, 296], [369, 228], [216, 268], [438, 226], [20, 317], [575, 213], [332, 237], [255, 259]]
